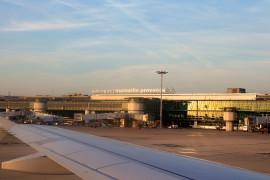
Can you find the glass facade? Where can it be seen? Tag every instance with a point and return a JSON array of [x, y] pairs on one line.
[[16, 104], [91, 105], [211, 112], [215, 108]]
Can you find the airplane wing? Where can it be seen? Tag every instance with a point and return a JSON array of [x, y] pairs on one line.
[[92, 157]]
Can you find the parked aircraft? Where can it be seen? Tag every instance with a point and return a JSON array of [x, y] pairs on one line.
[[44, 119]]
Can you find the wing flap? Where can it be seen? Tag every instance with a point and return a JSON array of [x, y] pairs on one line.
[[135, 171], [96, 159], [64, 146]]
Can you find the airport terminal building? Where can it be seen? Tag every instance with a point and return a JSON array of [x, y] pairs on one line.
[[183, 110], [204, 109]]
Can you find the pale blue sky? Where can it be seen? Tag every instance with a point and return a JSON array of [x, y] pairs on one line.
[[68, 46]]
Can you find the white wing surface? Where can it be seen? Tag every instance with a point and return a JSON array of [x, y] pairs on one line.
[[92, 157]]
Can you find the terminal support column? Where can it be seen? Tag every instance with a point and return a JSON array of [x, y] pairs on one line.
[[229, 118]]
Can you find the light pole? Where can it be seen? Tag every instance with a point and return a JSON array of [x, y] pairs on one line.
[[161, 75]]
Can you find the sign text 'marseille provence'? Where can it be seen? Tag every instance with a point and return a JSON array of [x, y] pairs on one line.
[[128, 91]]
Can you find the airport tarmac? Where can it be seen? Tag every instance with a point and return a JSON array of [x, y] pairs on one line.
[[240, 149]]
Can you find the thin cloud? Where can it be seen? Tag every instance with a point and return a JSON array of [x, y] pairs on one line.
[[89, 12], [68, 4], [41, 26], [84, 43], [125, 9], [162, 36], [16, 2]]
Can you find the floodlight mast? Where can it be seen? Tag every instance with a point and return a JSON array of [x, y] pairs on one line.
[[161, 75]]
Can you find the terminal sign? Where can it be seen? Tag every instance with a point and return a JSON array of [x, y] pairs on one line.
[[129, 91]]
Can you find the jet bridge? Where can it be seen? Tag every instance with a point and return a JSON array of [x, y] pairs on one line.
[[119, 119]]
